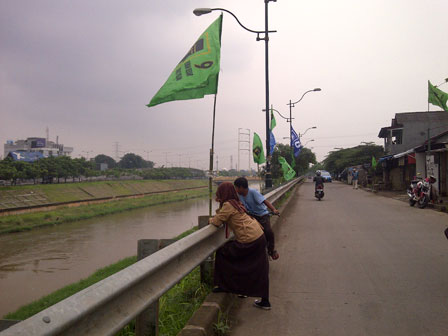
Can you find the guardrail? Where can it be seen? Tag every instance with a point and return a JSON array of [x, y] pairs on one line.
[[109, 305]]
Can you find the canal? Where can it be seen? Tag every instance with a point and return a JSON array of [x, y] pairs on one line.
[[36, 263]]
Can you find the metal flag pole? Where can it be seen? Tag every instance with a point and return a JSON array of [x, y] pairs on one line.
[[210, 176]]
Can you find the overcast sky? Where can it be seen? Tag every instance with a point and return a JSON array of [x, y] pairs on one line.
[[86, 69]]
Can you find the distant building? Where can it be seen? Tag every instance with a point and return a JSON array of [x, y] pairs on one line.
[[416, 144], [36, 145], [410, 129]]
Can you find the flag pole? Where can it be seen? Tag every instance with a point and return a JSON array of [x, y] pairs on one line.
[[210, 177]]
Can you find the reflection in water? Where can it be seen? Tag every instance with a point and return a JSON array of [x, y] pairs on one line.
[[35, 263]]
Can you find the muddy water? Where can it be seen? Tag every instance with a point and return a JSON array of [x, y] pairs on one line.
[[36, 263]]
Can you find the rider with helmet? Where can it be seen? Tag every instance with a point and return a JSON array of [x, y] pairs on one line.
[[318, 179]]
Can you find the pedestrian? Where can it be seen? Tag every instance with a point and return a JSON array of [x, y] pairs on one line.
[[355, 178], [241, 265], [257, 206]]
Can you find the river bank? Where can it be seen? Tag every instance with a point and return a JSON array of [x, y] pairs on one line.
[[34, 197], [29, 221]]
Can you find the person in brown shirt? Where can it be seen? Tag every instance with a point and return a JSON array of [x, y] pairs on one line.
[[241, 265]]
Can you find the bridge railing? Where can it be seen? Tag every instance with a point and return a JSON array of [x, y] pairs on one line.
[[109, 305]]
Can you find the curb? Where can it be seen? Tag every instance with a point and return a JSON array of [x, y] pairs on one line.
[[202, 321], [435, 206]]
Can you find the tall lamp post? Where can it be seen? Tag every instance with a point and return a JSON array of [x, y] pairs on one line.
[[307, 142], [292, 104], [265, 38]]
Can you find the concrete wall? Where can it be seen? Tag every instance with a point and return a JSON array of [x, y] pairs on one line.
[[415, 129]]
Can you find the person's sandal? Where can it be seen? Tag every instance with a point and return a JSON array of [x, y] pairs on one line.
[[274, 255]]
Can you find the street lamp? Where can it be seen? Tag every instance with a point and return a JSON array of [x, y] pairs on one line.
[[265, 38], [307, 142], [291, 105], [302, 134]]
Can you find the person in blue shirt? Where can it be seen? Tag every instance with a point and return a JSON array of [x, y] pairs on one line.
[[257, 206]]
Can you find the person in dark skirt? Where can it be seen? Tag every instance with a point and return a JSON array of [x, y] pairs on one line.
[[257, 206], [241, 265]]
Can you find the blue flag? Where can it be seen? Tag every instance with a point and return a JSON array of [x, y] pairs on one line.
[[295, 142], [271, 143]]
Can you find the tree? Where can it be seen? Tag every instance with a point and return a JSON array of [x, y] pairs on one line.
[[101, 158], [7, 170], [337, 161], [134, 161]]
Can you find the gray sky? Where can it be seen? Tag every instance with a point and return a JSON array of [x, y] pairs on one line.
[[86, 69]]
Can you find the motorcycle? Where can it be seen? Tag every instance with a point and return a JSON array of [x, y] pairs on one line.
[[420, 191], [319, 192]]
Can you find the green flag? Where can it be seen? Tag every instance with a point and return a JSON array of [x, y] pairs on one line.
[[257, 150], [374, 163], [288, 172], [437, 97], [273, 122], [196, 75], [293, 159]]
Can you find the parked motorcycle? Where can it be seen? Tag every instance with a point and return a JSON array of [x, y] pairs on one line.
[[319, 192], [420, 191]]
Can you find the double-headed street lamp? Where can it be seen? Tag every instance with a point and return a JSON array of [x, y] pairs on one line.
[[291, 105], [265, 38], [307, 142]]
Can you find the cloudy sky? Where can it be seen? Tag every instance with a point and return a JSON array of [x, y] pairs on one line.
[[86, 70]]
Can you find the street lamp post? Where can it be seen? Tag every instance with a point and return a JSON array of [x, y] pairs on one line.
[[307, 142], [291, 105], [265, 38]]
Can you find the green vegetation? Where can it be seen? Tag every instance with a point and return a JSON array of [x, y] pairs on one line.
[[222, 327], [338, 160], [55, 169], [28, 221], [175, 307]]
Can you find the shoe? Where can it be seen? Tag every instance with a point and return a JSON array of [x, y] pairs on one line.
[[218, 290], [262, 304], [242, 296]]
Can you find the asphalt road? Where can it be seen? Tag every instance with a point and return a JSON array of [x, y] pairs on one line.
[[354, 264]]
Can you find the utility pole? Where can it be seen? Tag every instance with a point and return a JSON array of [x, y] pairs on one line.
[[166, 159], [117, 157], [231, 162]]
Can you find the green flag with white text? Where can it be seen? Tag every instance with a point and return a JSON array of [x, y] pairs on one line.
[[257, 150], [288, 172], [196, 75], [437, 97], [374, 163]]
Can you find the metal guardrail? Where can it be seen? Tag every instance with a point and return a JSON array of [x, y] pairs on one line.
[[109, 305]]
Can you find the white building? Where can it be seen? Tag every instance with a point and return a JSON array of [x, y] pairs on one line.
[[42, 145]]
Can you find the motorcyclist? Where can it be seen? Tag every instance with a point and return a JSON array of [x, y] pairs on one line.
[[318, 179]]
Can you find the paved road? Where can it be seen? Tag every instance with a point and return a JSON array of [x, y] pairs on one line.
[[354, 264]]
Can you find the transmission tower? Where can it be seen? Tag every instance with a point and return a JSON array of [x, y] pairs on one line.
[[243, 144]]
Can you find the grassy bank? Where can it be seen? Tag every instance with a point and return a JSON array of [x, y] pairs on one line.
[[12, 197], [29, 221], [175, 307]]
